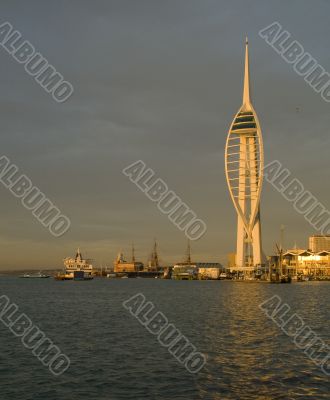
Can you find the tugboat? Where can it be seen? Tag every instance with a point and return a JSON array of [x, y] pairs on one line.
[[77, 269]]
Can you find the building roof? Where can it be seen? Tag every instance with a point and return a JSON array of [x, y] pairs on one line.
[[298, 252], [323, 253], [319, 236], [305, 253]]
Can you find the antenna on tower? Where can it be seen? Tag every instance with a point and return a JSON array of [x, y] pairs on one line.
[[246, 90]]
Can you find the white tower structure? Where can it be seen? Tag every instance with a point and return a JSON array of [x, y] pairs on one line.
[[244, 161]]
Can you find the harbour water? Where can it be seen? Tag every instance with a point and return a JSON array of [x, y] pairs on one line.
[[113, 357]]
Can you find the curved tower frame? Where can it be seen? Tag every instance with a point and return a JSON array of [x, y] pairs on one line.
[[244, 162]]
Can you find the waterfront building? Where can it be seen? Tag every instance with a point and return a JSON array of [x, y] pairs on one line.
[[244, 160], [201, 270], [186, 270], [231, 261], [210, 270], [305, 262], [183, 271], [122, 266], [319, 243]]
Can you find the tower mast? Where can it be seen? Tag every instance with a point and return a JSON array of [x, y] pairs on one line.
[[246, 89]]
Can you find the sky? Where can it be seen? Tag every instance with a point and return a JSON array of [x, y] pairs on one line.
[[158, 81]]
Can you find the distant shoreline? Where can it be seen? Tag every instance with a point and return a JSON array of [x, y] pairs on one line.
[[27, 270]]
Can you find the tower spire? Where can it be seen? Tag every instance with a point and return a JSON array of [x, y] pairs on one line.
[[244, 161], [246, 90]]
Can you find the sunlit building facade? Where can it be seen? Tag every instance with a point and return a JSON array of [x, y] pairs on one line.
[[306, 262], [122, 266], [319, 243]]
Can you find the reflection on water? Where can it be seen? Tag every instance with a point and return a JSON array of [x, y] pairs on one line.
[[113, 357]]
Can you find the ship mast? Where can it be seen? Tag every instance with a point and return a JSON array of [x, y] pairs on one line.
[[154, 256], [133, 253], [188, 254]]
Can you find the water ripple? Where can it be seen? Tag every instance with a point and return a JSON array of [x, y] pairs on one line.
[[113, 357]]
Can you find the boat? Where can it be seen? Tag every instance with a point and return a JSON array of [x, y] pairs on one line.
[[277, 278], [38, 275], [303, 278], [286, 279], [76, 269], [73, 276]]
